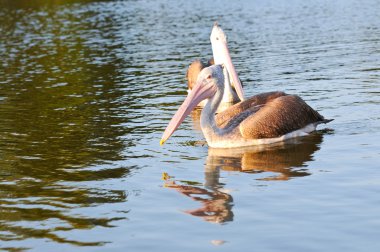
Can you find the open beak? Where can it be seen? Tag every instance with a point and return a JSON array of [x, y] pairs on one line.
[[201, 91]]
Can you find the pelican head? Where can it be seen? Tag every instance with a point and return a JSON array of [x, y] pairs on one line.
[[210, 80], [222, 56], [218, 35]]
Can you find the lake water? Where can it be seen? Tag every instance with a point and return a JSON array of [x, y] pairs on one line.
[[88, 87]]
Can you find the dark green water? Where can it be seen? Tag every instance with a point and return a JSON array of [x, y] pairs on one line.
[[87, 88]]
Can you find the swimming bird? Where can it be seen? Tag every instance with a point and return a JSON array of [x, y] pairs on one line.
[[262, 119]]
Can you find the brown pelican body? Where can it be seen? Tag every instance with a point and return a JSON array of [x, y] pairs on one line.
[[262, 119]]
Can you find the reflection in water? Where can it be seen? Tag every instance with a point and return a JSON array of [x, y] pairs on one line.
[[287, 160], [61, 125], [216, 204], [195, 118], [87, 88]]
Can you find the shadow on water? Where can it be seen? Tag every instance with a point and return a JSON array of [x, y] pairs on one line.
[[282, 161]]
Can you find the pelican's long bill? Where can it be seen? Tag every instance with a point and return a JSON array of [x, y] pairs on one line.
[[202, 90], [222, 56]]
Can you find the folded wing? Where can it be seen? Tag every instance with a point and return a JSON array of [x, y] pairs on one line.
[[278, 117]]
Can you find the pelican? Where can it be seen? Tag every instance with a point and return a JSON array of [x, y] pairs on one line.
[[233, 92], [263, 119]]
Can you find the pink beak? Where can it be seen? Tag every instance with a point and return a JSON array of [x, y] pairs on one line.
[[232, 72], [201, 91], [222, 56]]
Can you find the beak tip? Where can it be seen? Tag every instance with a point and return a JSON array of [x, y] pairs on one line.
[[162, 141]]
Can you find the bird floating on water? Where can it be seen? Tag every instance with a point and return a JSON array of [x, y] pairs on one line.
[[262, 119]]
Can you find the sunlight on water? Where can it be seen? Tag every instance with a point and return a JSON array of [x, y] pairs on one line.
[[87, 88]]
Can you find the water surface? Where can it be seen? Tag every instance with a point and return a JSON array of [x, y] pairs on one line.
[[87, 88]]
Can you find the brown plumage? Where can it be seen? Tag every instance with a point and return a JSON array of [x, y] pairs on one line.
[[269, 115], [194, 69], [278, 117], [254, 103]]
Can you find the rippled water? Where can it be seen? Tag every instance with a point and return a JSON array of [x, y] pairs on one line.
[[87, 88]]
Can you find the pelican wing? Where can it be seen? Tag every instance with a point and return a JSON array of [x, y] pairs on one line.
[[278, 117], [224, 117]]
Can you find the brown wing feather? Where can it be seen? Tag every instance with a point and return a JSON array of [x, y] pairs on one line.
[[225, 116], [278, 117]]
